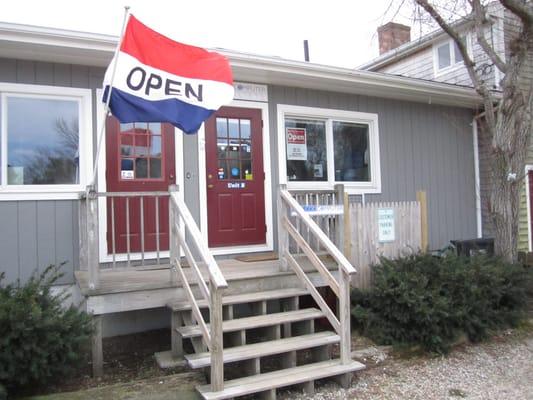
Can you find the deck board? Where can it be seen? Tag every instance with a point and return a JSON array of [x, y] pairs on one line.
[[124, 280]]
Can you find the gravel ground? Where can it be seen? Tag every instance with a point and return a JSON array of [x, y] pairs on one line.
[[500, 369]]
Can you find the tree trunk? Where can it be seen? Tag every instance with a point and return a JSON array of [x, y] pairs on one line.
[[510, 143]]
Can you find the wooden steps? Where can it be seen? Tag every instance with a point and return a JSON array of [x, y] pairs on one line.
[[243, 298], [257, 321], [280, 378], [257, 350]]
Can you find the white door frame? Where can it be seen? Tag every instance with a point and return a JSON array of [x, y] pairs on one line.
[[268, 246], [104, 256]]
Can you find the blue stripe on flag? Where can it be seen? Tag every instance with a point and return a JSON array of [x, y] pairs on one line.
[[129, 108]]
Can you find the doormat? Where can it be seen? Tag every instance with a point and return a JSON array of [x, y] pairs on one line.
[[269, 255]]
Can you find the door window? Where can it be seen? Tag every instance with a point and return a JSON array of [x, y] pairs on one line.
[[234, 149], [140, 151]]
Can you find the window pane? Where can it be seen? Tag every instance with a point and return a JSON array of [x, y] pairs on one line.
[[305, 141], [42, 141], [222, 127], [245, 129], [233, 128], [142, 145], [234, 169], [222, 172], [444, 55], [126, 145], [155, 168], [350, 146], [246, 149], [155, 148], [141, 168], [154, 128], [458, 55]]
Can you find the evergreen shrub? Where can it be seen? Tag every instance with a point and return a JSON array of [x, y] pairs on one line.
[[432, 301], [41, 341]]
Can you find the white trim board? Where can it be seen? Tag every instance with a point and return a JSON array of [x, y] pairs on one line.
[[269, 245], [102, 186]]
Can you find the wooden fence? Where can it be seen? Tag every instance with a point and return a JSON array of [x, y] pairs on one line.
[[380, 229]]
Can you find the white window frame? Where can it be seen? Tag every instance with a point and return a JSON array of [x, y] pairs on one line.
[[328, 116], [47, 192], [453, 63]]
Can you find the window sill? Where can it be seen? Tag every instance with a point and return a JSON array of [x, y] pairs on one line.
[[349, 187], [33, 194]]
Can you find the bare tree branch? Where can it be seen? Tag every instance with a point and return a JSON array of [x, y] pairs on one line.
[[481, 20], [478, 83]]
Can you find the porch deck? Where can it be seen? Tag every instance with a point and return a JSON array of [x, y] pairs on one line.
[[126, 289]]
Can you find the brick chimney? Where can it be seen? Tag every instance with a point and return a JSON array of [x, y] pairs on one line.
[[392, 35]]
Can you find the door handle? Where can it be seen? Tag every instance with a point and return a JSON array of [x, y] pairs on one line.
[[210, 186]]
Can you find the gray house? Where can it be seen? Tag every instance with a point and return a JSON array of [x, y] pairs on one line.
[[435, 57], [293, 126]]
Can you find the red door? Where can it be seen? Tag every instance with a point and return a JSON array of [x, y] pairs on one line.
[[140, 158], [235, 178]]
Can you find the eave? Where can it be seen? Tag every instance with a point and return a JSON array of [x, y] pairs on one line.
[[63, 46]]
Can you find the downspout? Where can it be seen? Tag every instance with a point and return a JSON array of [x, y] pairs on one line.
[[476, 176]]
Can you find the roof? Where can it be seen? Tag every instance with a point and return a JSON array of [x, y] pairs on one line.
[[66, 46]]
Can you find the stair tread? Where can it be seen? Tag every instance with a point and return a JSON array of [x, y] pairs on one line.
[[256, 321], [280, 378], [267, 348], [242, 298]]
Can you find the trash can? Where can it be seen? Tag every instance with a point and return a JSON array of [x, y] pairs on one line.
[[473, 247]]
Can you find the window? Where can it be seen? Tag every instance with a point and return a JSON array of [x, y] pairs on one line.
[[448, 55], [140, 151], [234, 148], [44, 135], [322, 147]]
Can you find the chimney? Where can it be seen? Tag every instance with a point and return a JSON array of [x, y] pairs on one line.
[[392, 35]]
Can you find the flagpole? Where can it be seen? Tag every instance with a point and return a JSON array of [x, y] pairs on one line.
[[106, 108]]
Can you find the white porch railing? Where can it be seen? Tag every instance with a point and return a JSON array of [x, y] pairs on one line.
[[288, 210], [181, 226]]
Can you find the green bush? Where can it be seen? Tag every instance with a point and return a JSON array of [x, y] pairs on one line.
[[40, 340], [428, 301]]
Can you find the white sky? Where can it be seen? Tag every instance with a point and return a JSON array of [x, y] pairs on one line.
[[340, 32]]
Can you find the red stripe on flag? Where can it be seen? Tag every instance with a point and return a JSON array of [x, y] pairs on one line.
[[158, 51]]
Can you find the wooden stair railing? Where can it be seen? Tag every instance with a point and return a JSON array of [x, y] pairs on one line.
[[181, 221], [287, 207]]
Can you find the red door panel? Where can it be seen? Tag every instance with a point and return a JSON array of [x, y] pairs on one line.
[[140, 158], [235, 178]]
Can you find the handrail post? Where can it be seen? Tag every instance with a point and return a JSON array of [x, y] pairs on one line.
[[216, 346], [174, 250], [344, 316], [93, 264], [339, 223], [82, 232], [283, 237]]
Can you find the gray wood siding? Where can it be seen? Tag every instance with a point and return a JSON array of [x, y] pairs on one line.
[[34, 234], [422, 147]]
